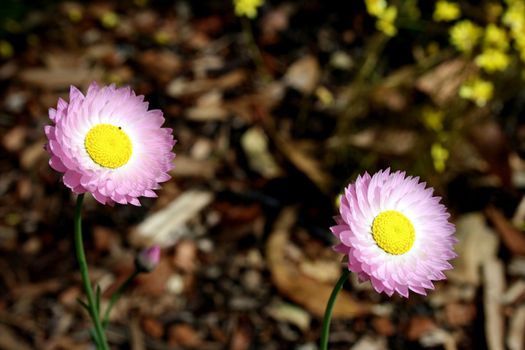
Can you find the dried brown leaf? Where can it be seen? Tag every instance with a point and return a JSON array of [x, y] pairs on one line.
[[301, 289], [182, 87], [442, 82], [477, 242]]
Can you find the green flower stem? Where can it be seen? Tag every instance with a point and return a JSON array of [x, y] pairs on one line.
[[254, 50], [116, 296], [81, 258], [329, 308]]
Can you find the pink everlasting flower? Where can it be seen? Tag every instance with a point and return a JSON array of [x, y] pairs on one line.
[[148, 259], [395, 233], [109, 144]]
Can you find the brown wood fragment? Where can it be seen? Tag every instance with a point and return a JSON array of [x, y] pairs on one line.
[[9, 340], [516, 335], [136, 335], [493, 289], [513, 239]]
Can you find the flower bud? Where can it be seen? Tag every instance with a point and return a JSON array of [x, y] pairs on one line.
[[148, 259]]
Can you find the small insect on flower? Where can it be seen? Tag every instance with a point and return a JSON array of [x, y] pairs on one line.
[[109, 144], [395, 233]]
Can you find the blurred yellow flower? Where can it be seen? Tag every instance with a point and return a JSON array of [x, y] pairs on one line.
[[6, 49], [433, 118], [324, 95], [247, 8], [375, 7], [477, 90], [161, 37], [464, 35], [439, 156], [386, 21], [514, 16], [109, 19], [492, 60], [446, 11], [496, 37], [75, 14]]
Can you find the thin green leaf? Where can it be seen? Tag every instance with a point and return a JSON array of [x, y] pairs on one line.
[[97, 298], [95, 337], [84, 305]]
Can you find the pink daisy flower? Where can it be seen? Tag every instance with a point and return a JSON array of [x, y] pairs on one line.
[[109, 144], [395, 233]]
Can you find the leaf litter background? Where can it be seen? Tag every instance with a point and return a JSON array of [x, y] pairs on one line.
[[262, 155]]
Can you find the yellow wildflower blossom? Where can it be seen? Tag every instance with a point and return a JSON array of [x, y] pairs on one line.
[[75, 14], [439, 156], [386, 21], [324, 95], [514, 16], [446, 11], [496, 37], [6, 49], [477, 90], [247, 8], [109, 19], [464, 35], [492, 60], [433, 118], [375, 7]]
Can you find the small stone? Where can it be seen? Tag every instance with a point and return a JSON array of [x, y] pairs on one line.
[[420, 325], [251, 280], [152, 327], [383, 326], [185, 257], [460, 314], [185, 336], [32, 245], [103, 238], [69, 296], [175, 284], [14, 139]]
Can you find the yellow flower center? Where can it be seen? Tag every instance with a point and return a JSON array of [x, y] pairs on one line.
[[108, 146], [393, 232]]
